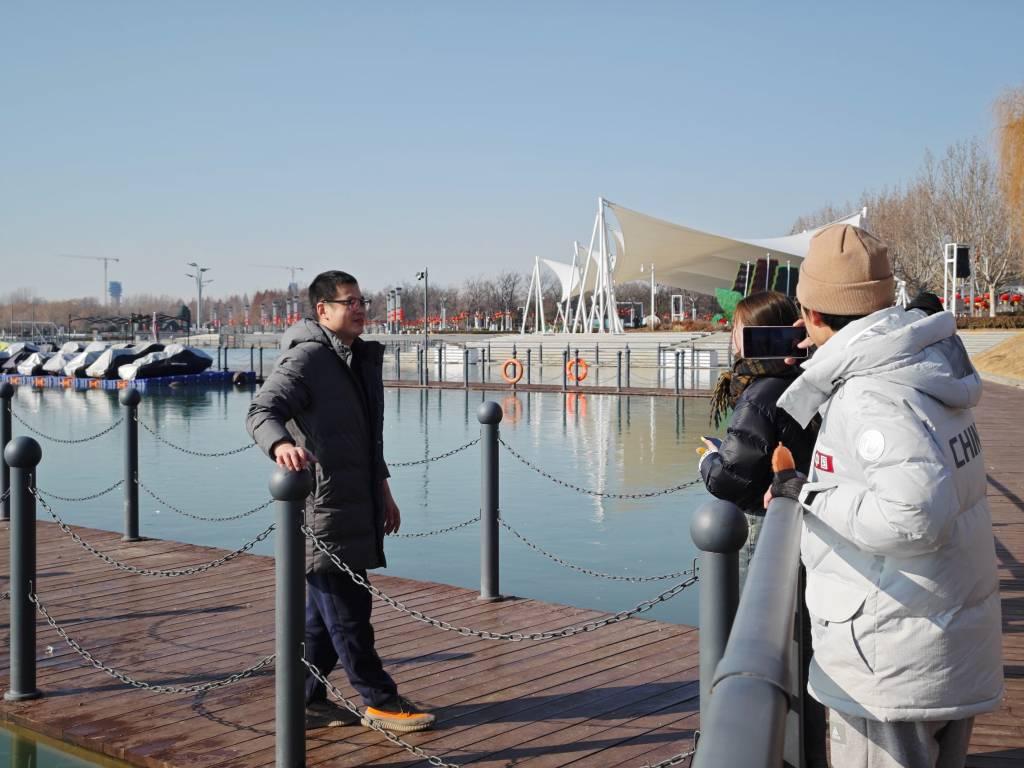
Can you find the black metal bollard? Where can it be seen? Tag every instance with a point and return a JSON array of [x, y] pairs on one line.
[[252, 353], [130, 399], [679, 370], [576, 365], [489, 415], [565, 369], [22, 455], [6, 394], [719, 530], [290, 489], [618, 371], [398, 363], [261, 363], [627, 366], [529, 355], [465, 367]]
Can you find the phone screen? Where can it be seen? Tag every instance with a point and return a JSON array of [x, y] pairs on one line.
[[773, 341]]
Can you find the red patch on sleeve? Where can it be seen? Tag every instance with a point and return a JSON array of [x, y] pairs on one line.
[[823, 462]]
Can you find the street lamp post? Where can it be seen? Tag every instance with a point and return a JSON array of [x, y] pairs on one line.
[[426, 325], [200, 282]]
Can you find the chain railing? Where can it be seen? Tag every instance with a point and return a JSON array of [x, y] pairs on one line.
[[189, 571], [589, 626], [90, 497], [599, 494], [61, 440], [429, 459], [133, 682], [437, 531], [354, 709], [203, 454], [203, 518], [590, 571]]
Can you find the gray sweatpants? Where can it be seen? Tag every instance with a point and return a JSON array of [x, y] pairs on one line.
[[858, 743]]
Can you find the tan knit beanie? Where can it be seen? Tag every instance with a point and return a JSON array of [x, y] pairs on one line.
[[846, 272]]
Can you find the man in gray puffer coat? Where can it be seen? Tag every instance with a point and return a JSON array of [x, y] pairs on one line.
[[324, 405], [902, 586]]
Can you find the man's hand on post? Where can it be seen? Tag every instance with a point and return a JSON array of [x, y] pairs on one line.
[[392, 515], [291, 456]]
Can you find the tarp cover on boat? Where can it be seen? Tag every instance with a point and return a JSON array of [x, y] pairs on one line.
[[175, 360], [106, 365]]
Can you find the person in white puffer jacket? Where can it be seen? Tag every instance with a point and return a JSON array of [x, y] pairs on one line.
[[902, 585]]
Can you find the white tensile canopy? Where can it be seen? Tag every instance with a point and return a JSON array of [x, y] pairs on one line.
[[693, 259]]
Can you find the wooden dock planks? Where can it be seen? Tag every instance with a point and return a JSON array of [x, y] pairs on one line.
[[623, 695]]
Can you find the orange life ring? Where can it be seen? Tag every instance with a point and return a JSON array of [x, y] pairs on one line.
[[517, 371], [576, 369]]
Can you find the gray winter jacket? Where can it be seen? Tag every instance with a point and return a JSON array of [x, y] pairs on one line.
[[336, 411], [902, 585]]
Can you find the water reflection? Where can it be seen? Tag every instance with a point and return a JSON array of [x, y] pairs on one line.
[[20, 748], [598, 442]]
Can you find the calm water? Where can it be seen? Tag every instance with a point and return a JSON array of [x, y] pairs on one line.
[[616, 444], [22, 749]]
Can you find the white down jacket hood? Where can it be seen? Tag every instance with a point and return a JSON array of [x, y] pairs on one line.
[[902, 585]]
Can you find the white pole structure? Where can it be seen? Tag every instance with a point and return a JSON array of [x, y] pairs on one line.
[[787, 276], [567, 304], [581, 306], [746, 281], [768, 273]]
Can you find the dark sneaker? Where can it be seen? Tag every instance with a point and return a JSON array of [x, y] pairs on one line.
[[327, 714], [399, 715]]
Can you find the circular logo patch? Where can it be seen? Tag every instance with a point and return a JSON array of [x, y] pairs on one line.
[[871, 445]]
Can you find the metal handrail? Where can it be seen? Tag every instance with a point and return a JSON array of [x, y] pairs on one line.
[[751, 692]]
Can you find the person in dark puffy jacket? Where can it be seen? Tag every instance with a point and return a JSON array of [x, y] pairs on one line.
[[323, 407], [738, 468]]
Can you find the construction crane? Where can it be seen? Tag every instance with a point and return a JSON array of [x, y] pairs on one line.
[[104, 259], [290, 268]]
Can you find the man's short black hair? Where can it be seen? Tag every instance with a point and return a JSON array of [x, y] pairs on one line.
[[838, 322], [326, 284]]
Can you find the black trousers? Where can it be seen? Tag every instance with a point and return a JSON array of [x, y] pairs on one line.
[[338, 628]]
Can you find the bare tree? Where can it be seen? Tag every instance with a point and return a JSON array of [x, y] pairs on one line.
[[1009, 110]]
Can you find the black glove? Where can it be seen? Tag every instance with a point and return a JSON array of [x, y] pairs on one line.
[[787, 484]]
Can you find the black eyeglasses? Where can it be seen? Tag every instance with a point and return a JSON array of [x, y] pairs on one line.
[[364, 303]]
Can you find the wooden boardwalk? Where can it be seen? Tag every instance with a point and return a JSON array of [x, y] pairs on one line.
[[624, 695]]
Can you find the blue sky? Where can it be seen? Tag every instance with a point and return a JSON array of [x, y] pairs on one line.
[[466, 136]]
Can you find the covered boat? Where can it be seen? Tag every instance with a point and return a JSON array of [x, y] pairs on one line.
[[33, 364], [15, 355], [77, 365], [56, 364], [105, 366], [174, 360]]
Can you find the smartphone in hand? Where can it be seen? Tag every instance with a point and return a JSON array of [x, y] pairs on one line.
[[774, 341], [714, 440]]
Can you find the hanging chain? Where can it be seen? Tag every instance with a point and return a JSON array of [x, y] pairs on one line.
[[437, 531], [146, 571], [590, 626], [600, 494], [588, 571], [128, 680], [65, 441], [90, 497], [674, 760], [432, 759], [173, 508], [4, 495], [434, 458], [190, 452]]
